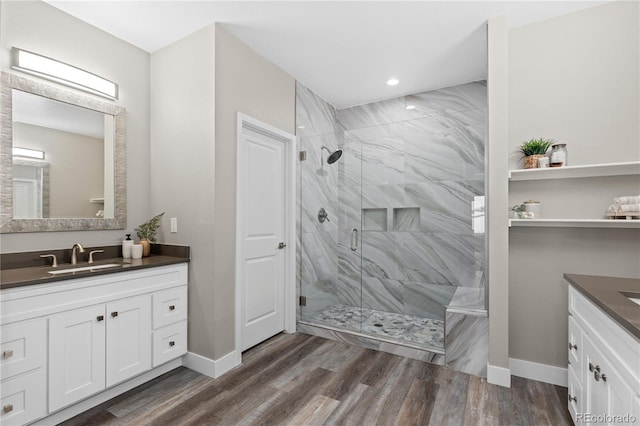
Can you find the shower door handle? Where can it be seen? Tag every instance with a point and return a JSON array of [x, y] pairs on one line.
[[354, 239]]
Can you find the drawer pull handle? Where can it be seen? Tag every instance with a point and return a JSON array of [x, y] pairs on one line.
[[573, 398], [573, 346], [7, 354], [172, 307], [7, 408], [172, 343], [594, 367], [114, 314], [604, 377], [100, 317]]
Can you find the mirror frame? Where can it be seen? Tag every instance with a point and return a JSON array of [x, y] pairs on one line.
[[8, 224]]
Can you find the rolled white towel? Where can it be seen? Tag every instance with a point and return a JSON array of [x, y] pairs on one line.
[[629, 199], [618, 208]]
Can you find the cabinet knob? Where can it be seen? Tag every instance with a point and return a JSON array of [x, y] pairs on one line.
[[172, 307], [114, 314], [597, 375], [7, 408], [573, 398], [573, 346], [172, 343], [603, 377], [100, 317], [7, 354]]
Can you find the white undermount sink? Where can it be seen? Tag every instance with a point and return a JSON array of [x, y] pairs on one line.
[[84, 268], [634, 297]]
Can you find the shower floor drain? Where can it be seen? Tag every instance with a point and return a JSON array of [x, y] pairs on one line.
[[377, 325]]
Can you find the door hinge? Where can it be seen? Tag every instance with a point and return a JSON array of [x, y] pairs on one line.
[[303, 155], [303, 301]]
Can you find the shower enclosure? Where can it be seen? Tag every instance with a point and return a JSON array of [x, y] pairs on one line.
[[391, 203]]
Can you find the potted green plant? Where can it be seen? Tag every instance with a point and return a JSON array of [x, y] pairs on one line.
[[534, 149], [147, 233]]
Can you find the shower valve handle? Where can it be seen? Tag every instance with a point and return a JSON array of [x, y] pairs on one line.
[[322, 215]]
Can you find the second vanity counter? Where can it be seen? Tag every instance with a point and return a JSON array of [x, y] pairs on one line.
[[25, 276], [611, 294]]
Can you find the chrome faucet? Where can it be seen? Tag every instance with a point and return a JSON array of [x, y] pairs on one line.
[[74, 250]]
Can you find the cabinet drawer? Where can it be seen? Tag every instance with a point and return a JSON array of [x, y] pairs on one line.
[[23, 398], [169, 342], [22, 347], [575, 345], [169, 306], [574, 393]]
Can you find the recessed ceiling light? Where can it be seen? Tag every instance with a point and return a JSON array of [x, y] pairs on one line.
[[410, 107], [393, 81]]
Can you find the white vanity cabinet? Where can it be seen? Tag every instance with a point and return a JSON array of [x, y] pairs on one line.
[[604, 366], [66, 341], [97, 347]]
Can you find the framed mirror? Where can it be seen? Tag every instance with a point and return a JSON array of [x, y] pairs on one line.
[[62, 157]]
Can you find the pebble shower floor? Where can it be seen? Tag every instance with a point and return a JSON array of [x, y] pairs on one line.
[[400, 327]]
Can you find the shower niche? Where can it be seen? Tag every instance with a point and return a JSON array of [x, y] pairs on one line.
[[399, 266]]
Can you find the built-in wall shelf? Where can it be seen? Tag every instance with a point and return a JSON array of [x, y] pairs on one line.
[[593, 170], [576, 223]]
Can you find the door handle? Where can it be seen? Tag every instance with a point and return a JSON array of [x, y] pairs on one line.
[[281, 245], [354, 239]]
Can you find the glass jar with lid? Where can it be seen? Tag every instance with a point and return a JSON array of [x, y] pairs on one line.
[[558, 155]]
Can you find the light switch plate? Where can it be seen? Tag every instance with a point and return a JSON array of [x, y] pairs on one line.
[[174, 225]]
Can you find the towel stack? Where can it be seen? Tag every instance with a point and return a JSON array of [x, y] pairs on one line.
[[623, 205]]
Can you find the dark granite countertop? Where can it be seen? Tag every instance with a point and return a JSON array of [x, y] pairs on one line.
[[18, 270], [609, 294]]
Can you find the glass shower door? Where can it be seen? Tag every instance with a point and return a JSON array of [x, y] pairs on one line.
[[330, 223]]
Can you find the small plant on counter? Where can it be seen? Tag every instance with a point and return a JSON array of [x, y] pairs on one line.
[[534, 149], [149, 229]]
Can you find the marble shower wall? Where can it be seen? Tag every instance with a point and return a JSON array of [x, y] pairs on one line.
[[408, 178]]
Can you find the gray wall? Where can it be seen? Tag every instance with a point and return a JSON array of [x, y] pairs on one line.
[[36, 26], [198, 84], [183, 166], [245, 82], [573, 78]]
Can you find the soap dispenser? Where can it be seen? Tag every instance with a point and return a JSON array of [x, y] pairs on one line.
[[126, 247]]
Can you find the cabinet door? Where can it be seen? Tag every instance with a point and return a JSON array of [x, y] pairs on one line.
[[606, 392], [128, 338], [76, 355]]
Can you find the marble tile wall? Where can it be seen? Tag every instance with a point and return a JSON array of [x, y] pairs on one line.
[[424, 166]]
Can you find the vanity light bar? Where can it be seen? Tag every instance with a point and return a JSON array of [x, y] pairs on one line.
[[50, 69], [29, 153]]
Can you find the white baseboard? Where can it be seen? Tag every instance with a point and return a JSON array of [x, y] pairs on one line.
[[498, 376], [540, 372], [210, 367]]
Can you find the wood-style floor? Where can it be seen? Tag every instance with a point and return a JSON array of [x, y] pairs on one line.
[[297, 379]]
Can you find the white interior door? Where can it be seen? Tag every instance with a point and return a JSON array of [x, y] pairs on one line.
[[25, 198], [262, 194]]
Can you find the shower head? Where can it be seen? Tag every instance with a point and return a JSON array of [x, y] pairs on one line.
[[333, 156]]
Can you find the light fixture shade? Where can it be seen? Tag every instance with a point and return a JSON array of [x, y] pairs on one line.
[[50, 69], [28, 153]]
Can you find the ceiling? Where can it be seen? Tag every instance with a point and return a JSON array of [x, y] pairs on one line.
[[345, 51]]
